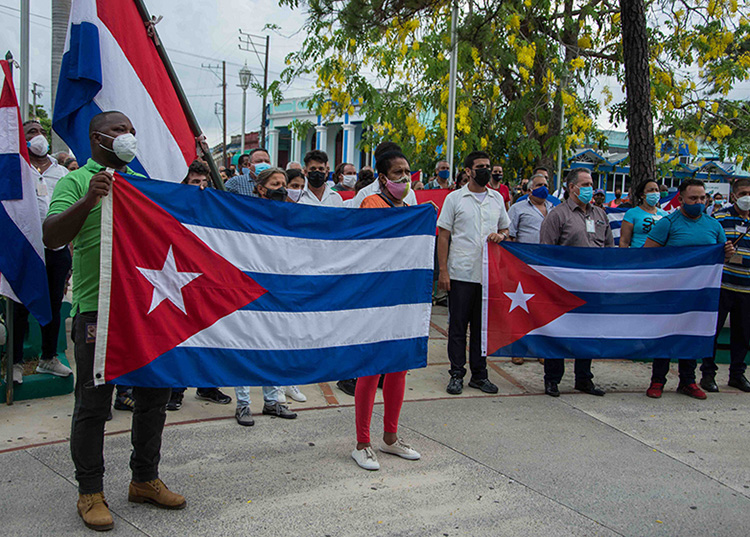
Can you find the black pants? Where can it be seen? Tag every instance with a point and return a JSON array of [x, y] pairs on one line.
[[92, 405], [58, 266], [464, 309], [660, 369], [554, 369], [737, 305]]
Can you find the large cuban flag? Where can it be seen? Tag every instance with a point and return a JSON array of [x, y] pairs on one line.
[[23, 276], [110, 63], [207, 288], [563, 302]]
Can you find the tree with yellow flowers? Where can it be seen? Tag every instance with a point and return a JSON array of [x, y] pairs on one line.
[[520, 62]]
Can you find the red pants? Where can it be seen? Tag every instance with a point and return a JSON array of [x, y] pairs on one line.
[[364, 399]]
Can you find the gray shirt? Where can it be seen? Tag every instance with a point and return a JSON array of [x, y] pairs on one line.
[[526, 220], [568, 225]]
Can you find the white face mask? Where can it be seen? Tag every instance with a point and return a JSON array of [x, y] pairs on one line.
[[349, 180], [294, 194], [744, 203], [38, 145], [124, 146]]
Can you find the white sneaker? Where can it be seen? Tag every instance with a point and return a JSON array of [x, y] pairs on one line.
[[53, 366], [401, 449], [294, 393], [366, 458], [18, 373]]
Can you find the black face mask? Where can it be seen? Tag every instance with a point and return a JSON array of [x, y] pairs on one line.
[[276, 194], [482, 176], [316, 179], [497, 177]]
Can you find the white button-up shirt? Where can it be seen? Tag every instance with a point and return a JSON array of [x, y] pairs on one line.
[[329, 199], [45, 185], [470, 222], [53, 174], [374, 188]]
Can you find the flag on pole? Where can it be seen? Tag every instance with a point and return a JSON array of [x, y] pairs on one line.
[[563, 302], [23, 276], [110, 63], [207, 288]]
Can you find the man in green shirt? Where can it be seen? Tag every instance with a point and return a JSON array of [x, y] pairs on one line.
[[75, 216]]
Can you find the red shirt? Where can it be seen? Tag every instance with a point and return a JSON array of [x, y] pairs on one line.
[[504, 192]]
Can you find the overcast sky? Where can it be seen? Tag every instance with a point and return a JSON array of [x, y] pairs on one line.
[[194, 33]]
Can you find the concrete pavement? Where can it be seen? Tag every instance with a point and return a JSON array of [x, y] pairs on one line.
[[519, 463]]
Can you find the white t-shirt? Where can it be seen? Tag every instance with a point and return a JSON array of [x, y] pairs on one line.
[[329, 199], [470, 222]]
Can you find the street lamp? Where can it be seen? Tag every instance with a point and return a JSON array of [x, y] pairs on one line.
[[245, 75]]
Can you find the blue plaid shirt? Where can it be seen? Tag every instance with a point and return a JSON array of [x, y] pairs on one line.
[[241, 184]]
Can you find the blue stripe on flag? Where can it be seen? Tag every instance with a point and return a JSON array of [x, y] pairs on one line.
[[80, 81], [224, 210], [24, 269], [594, 348], [658, 302], [293, 293], [180, 366], [11, 185], [621, 258]]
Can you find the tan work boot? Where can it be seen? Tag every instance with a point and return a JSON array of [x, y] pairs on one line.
[[94, 511], [157, 493], [517, 360]]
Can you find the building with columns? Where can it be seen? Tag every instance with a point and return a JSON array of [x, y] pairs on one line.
[[339, 138]]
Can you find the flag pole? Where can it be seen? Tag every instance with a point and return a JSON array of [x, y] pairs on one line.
[[451, 126], [24, 82], [150, 25], [9, 354]]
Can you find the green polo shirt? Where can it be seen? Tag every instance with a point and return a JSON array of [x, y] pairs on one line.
[[86, 245]]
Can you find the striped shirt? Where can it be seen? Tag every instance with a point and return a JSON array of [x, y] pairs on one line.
[[736, 275]]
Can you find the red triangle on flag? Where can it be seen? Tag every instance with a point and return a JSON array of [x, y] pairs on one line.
[[166, 284], [520, 299]]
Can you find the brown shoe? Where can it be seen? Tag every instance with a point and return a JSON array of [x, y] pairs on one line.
[[157, 493], [517, 360], [540, 360], [94, 511]]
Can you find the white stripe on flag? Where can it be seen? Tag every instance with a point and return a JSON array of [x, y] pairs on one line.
[[271, 254], [615, 326], [259, 330], [635, 281]]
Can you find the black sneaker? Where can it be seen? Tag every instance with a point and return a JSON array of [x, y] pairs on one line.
[[278, 410], [124, 401], [175, 401], [347, 386], [483, 384], [214, 395], [455, 386]]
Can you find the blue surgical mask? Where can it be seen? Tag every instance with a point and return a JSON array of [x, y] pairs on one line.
[[245, 171], [444, 174], [260, 166], [652, 198], [585, 193], [542, 192], [694, 210]]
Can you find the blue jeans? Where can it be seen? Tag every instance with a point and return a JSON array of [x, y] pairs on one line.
[[271, 394]]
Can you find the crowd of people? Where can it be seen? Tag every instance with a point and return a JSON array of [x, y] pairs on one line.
[[480, 207]]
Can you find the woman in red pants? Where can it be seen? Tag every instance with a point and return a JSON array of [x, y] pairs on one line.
[[395, 179]]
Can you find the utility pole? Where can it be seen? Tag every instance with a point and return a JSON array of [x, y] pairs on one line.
[[223, 78], [35, 93], [249, 40], [451, 134], [24, 90]]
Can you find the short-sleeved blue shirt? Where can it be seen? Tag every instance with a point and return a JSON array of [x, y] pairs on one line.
[[679, 230], [643, 222]]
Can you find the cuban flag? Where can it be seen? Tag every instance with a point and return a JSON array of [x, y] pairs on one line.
[[110, 63], [563, 302], [23, 277], [208, 288]]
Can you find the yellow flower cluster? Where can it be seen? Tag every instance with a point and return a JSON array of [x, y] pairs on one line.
[[464, 121], [721, 131], [577, 63]]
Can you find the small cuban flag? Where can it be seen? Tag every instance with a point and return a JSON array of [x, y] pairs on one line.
[[23, 276], [546, 301]]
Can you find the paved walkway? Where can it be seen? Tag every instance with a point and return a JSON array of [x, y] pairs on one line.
[[519, 463]]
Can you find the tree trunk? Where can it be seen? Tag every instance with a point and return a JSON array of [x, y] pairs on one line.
[[641, 146], [60, 16]]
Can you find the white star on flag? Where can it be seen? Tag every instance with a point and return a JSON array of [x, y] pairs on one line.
[[519, 299], [168, 283]]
